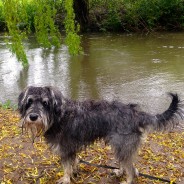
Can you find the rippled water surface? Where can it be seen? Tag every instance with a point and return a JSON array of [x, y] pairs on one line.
[[131, 68]]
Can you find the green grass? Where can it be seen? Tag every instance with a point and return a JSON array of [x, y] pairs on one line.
[[8, 105]]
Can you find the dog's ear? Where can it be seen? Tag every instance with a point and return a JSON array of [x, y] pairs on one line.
[[57, 100], [21, 100]]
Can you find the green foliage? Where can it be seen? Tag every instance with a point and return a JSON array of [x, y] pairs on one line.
[[113, 19], [72, 38], [30, 9], [106, 14], [14, 16], [135, 15], [24, 16], [172, 13], [46, 32], [159, 12], [155, 14]]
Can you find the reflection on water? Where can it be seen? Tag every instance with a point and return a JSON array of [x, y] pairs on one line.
[[131, 68]]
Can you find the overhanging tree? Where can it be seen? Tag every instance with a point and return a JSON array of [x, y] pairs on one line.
[[47, 33]]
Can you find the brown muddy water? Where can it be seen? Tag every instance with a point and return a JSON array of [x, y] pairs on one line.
[[129, 67]]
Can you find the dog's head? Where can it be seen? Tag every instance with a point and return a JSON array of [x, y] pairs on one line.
[[39, 107]]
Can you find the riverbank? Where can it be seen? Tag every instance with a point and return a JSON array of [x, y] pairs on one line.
[[23, 162], [118, 15]]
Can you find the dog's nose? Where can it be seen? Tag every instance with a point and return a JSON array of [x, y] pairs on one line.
[[33, 116]]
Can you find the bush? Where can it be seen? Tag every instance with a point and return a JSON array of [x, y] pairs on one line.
[[172, 14], [120, 15], [105, 15], [135, 15], [155, 14]]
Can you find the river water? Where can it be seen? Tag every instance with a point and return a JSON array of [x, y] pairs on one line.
[[132, 68]]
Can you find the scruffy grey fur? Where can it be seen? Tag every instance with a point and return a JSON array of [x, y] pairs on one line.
[[71, 125]]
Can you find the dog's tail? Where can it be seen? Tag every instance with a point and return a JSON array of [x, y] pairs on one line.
[[168, 119]]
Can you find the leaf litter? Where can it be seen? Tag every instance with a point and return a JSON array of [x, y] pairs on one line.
[[162, 155]]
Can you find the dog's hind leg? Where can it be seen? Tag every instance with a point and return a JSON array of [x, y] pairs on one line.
[[131, 173]]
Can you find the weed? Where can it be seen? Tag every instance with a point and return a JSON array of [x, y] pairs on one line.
[[8, 105]]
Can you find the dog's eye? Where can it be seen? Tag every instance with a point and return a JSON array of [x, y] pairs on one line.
[[45, 104], [30, 101]]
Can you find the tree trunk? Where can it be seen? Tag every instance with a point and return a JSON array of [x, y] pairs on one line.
[[81, 9]]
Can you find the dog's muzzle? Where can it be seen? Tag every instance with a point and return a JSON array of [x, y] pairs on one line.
[[33, 124]]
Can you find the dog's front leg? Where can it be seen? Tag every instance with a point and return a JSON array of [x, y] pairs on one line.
[[67, 165], [75, 166]]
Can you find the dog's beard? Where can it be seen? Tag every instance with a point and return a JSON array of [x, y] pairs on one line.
[[34, 129]]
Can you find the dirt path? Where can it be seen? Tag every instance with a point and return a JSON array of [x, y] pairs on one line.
[[23, 162]]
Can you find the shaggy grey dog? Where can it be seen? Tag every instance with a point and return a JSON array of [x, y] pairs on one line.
[[69, 126]]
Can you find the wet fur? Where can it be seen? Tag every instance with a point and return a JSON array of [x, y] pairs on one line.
[[72, 125]]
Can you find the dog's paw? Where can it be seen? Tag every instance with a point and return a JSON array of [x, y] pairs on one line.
[[63, 180], [129, 182], [136, 172], [118, 172]]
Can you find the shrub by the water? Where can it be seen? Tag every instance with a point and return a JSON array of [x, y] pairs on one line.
[[136, 15], [118, 15]]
